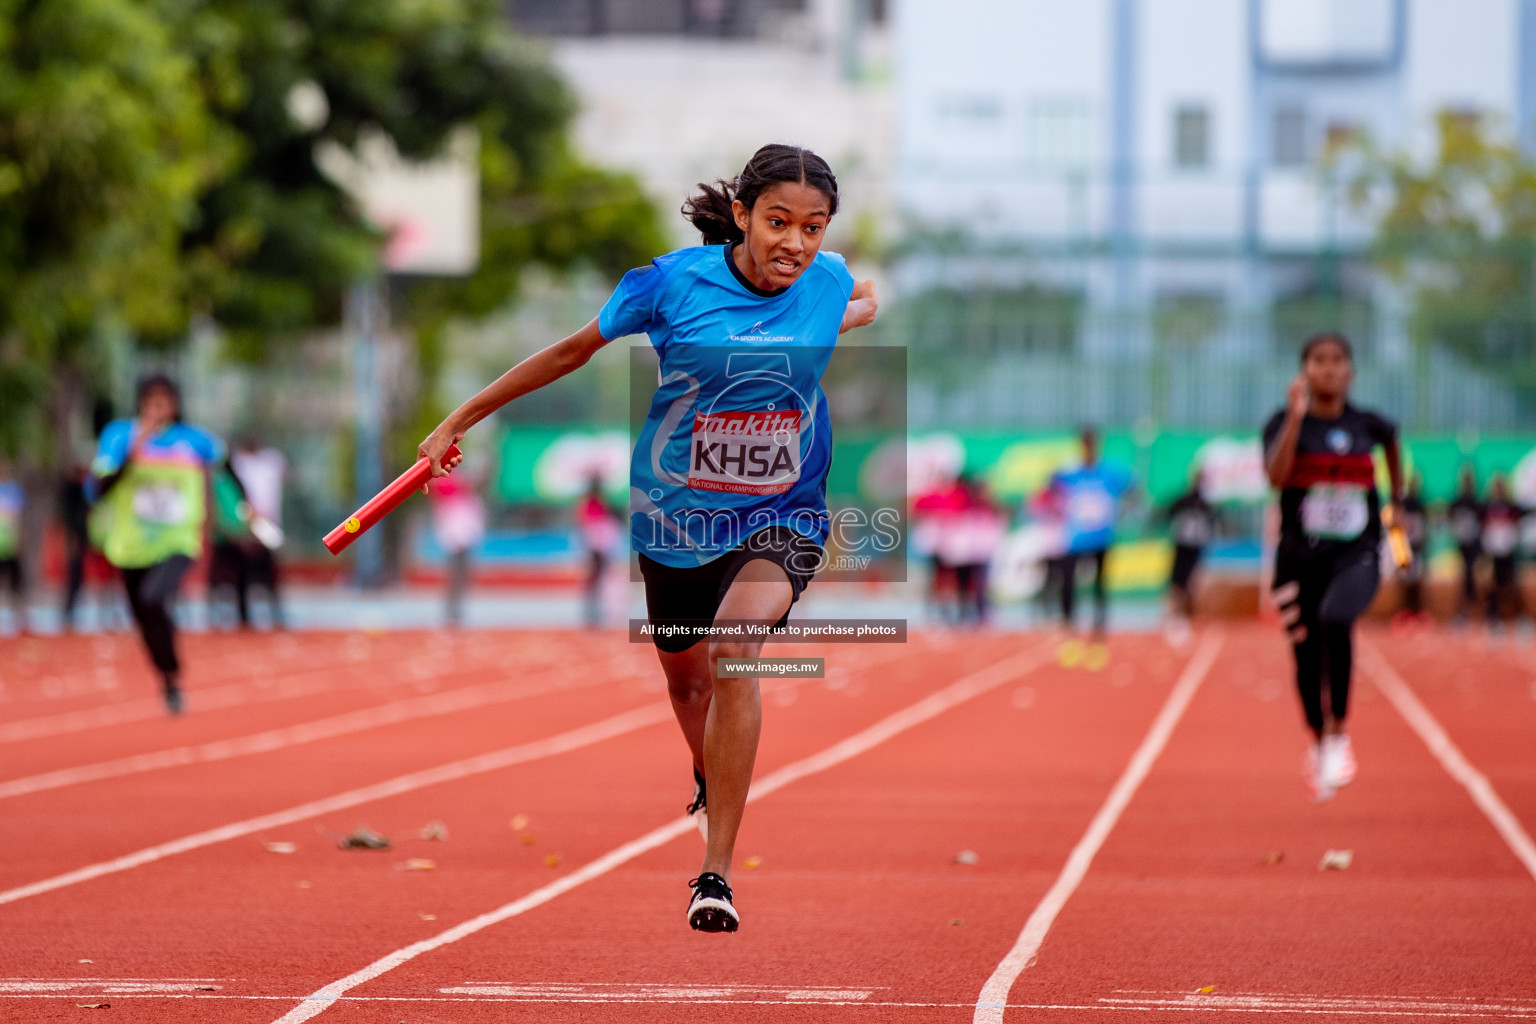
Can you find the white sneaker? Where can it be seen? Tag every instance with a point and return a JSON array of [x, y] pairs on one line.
[[1311, 771], [1336, 761]]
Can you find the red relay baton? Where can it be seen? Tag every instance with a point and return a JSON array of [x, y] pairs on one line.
[[383, 503]]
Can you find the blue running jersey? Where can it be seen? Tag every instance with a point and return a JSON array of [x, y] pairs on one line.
[[738, 437], [1091, 494]]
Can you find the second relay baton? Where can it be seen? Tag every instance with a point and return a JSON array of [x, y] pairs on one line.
[[383, 503]]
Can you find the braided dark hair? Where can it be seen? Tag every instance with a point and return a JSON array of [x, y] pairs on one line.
[[710, 209], [1324, 338]]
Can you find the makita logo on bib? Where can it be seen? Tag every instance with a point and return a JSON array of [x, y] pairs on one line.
[[747, 452]]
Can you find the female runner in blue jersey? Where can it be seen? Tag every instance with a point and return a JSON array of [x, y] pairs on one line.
[[728, 479]]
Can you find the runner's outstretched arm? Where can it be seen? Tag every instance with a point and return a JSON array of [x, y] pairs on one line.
[[543, 367], [1281, 456]]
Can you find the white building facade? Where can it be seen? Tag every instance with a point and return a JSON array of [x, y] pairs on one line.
[[1170, 148]]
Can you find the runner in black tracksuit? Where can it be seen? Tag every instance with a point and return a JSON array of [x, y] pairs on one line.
[[1318, 452], [1465, 515], [1191, 525], [1501, 543], [1416, 526]]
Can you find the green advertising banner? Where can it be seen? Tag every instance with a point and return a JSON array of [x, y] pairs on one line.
[[553, 465]]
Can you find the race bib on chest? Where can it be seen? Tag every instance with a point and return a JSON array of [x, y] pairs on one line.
[[1191, 530], [1466, 526], [1091, 509], [1334, 512], [160, 504], [1500, 538], [745, 452]]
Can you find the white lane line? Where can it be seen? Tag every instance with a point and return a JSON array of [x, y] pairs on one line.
[[994, 994], [1331, 1013], [1276, 1002], [584, 736], [1450, 756], [956, 693], [310, 681], [560, 678]]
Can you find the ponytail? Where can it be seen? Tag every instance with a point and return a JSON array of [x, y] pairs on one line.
[[711, 212]]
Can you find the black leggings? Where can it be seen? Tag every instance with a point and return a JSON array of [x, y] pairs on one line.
[[1067, 570], [150, 593], [1504, 594], [1469, 557], [1320, 599]]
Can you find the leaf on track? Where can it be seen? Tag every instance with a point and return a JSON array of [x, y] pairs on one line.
[[967, 857], [1336, 860], [281, 847], [552, 860], [1272, 858], [418, 864], [752, 863], [94, 1006], [520, 822], [364, 838], [434, 830]]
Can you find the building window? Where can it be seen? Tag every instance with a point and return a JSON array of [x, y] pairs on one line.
[[1191, 137], [1290, 142], [1058, 134]]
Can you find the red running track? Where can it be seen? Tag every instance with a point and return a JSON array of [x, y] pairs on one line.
[[1203, 871]]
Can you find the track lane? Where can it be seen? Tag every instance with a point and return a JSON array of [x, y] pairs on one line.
[[1484, 697], [1433, 910], [252, 915], [859, 887]]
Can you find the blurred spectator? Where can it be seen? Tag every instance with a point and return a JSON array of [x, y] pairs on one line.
[[1192, 524], [600, 534], [458, 519], [932, 513], [83, 561], [1415, 520], [1089, 498], [12, 502], [261, 469], [1047, 510], [74, 514], [1465, 514], [969, 533], [1501, 542], [230, 536]]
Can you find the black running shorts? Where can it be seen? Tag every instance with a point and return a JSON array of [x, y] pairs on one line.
[[691, 596]]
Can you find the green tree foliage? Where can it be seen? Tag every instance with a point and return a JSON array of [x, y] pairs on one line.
[[282, 241], [1459, 233], [105, 146], [154, 166]]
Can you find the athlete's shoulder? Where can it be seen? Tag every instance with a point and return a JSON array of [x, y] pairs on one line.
[[644, 295], [833, 264], [1272, 425], [1379, 425], [205, 443]]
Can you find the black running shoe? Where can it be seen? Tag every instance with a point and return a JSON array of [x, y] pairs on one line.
[[697, 808], [174, 703], [710, 909]]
